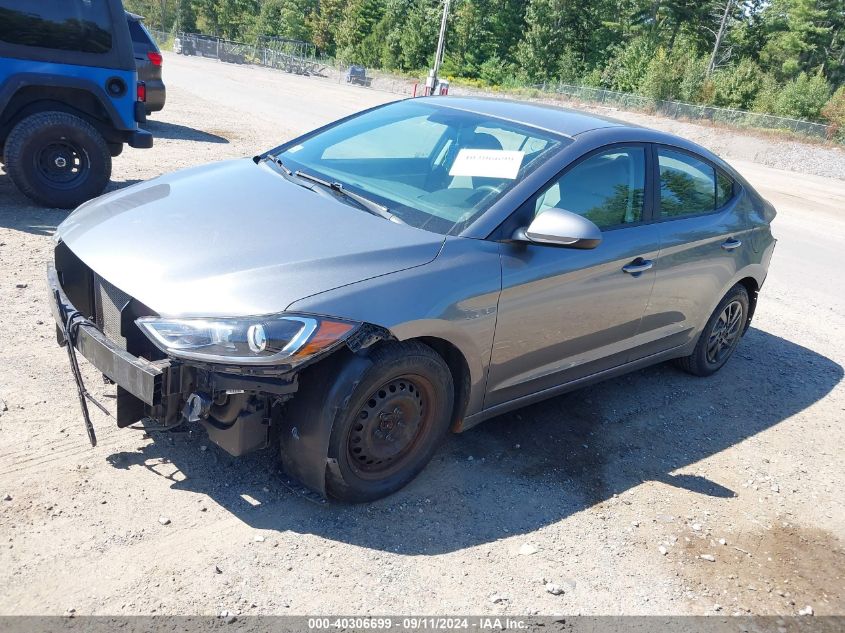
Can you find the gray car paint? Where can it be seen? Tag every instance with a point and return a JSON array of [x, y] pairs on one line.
[[454, 299], [237, 239], [566, 313], [529, 320]]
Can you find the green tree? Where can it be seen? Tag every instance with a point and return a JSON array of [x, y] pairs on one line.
[[207, 16], [800, 34], [236, 18], [356, 24], [419, 34], [627, 69], [185, 18], [324, 24], [285, 18], [679, 73], [834, 113], [803, 97], [159, 14], [552, 26], [737, 86], [776, 56], [484, 30]]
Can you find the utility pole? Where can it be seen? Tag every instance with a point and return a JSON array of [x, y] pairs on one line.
[[431, 82]]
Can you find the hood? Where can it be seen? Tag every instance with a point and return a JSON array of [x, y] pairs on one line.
[[235, 238]]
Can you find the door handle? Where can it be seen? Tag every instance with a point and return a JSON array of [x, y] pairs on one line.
[[638, 266], [731, 244]]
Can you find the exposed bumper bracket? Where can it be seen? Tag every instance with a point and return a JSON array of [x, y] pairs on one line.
[[141, 378]]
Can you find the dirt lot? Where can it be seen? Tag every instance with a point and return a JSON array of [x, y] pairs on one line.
[[613, 492]]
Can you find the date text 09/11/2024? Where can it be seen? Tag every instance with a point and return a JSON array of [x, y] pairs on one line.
[[422, 623]]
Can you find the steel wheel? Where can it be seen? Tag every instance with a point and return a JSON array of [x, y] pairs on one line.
[[57, 159], [389, 426], [725, 333], [62, 164]]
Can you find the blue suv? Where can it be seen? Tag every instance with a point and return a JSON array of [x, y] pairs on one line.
[[69, 96]]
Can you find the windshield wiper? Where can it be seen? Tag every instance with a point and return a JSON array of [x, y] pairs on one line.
[[277, 162], [373, 207]]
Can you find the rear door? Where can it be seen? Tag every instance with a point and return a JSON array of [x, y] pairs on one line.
[[565, 313], [702, 218]]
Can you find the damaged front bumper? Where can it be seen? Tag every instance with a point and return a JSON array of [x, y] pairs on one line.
[[141, 378], [235, 409]]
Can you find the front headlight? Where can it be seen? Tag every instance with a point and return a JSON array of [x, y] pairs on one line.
[[264, 340]]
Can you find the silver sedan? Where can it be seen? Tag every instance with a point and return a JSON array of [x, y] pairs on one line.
[[355, 293]]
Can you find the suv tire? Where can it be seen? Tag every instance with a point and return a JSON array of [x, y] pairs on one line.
[[57, 159]]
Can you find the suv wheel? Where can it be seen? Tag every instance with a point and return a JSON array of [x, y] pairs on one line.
[[720, 336], [57, 159]]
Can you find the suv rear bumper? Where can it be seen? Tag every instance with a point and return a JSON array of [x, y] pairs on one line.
[[156, 95], [140, 139]]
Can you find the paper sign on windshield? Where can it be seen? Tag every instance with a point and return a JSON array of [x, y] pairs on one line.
[[488, 163]]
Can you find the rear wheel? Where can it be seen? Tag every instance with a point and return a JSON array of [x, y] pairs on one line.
[[57, 159], [394, 419], [720, 336]]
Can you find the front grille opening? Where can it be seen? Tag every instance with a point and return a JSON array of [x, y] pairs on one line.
[[113, 310], [109, 301]]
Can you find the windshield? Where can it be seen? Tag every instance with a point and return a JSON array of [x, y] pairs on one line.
[[433, 167]]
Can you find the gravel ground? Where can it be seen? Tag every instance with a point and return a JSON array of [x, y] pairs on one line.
[[654, 493]]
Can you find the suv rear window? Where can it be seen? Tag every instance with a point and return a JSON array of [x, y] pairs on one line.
[[139, 33], [71, 25]]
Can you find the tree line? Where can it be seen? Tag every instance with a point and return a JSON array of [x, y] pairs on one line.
[[784, 57]]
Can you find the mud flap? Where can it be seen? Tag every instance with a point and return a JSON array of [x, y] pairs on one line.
[[306, 428]]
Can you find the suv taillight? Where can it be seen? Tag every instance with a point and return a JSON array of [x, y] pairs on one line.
[[142, 91], [155, 58]]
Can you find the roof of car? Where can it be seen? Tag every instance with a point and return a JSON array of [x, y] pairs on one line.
[[539, 115]]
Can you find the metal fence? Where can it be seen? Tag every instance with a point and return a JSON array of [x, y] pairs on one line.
[[291, 56], [300, 58], [670, 109]]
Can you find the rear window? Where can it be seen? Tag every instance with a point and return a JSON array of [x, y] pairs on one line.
[[689, 186], [139, 33], [71, 25]]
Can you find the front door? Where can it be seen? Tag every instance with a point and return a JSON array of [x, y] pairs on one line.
[[565, 313]]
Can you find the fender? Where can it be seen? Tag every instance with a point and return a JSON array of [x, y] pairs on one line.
[[306, 426], [755, 271], [18, 81]]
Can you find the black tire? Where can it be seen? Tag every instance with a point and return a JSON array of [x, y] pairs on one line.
[[395, 415], [721, 335], [57, 159]]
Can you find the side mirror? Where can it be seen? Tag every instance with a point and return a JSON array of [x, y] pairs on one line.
[[558, 227]]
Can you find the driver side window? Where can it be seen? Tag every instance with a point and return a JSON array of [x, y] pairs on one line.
[[607, 188]]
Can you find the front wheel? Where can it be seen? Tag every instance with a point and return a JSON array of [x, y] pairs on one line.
[[720, 336], [394, 417], [57, 159]]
